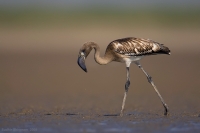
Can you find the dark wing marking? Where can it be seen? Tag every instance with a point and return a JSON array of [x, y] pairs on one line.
[[137, 47]]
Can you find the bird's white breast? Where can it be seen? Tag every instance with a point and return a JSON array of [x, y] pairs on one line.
[[130, 59]]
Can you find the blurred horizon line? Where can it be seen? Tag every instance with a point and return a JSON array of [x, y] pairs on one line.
[[39, 16]]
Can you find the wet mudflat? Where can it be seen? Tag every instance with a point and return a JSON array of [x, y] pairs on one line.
[[46, 93], [93, 123]]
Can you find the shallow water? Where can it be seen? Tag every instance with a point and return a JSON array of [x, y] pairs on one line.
[[93, 123]]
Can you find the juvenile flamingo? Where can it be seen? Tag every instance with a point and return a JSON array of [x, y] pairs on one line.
[[125, 50]]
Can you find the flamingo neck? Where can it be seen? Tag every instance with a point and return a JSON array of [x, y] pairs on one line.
[[101, 60]]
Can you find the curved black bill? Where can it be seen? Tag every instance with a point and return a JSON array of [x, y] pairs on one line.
[[81, 63]]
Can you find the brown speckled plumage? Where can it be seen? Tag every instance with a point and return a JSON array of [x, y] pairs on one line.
[[137, 47]]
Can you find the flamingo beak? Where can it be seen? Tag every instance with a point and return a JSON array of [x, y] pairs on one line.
[[81, 61]]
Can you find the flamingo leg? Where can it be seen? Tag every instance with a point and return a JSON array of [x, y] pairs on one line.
[[127, 84], [149, 78]]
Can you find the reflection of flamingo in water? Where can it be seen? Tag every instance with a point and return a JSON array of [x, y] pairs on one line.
[[125, 50]]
